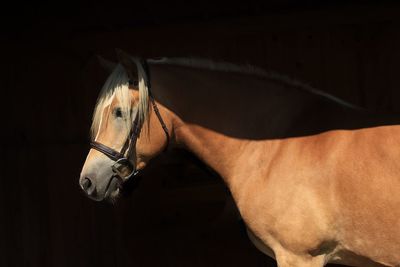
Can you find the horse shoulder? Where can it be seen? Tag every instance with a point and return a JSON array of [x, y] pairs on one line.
[[285, 204]]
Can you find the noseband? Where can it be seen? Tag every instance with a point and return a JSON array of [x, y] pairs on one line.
[[123, 168]]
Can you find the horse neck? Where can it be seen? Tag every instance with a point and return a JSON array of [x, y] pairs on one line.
[[218, 115]]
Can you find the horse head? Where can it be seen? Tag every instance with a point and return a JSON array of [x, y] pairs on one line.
[[125, 130]]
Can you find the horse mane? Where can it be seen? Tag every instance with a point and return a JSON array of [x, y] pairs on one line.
[[250, 70], [117, 84]]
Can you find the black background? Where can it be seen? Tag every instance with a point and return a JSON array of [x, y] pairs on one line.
[[50, 78]]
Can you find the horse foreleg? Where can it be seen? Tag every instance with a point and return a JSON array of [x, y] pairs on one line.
[[287, 259], [259, 244]]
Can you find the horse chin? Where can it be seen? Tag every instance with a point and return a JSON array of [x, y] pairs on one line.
[[113, 190]]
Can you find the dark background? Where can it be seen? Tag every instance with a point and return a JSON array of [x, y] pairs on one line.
[[50, 78]]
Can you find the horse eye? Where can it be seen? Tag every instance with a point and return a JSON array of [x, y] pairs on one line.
[[118, 113]]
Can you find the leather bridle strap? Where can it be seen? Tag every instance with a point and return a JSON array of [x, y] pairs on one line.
[[153, 102], [133, 136], [163, 125], [109, 152]]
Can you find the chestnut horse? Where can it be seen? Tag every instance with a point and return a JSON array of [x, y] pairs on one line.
[[315, 179]]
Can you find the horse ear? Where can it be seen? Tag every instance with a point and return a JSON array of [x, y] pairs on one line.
[[126, 61], [109, 66]]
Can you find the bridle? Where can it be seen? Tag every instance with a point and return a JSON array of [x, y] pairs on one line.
[[123, 168]]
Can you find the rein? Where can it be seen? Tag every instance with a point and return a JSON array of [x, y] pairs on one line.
[[123, 168]]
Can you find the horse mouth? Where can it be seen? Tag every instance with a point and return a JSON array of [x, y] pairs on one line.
[[113, 189]]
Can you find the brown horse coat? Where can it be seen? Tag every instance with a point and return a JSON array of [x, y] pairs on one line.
[[315, 180]]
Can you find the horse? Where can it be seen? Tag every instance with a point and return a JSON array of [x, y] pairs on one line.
[[315, 179]]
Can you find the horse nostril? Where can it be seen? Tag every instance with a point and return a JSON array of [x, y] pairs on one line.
[[88, 186], [86, 183]]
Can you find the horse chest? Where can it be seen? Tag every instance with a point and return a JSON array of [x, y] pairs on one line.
[[292, 215]]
